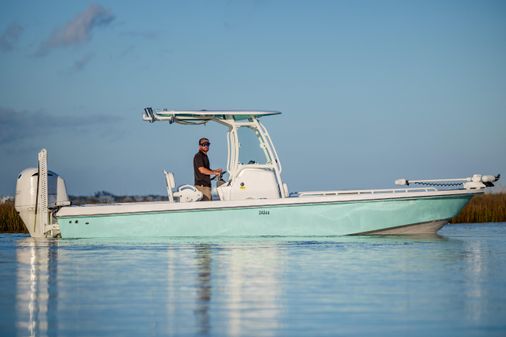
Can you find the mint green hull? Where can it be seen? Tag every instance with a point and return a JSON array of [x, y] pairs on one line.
[[309, 219]]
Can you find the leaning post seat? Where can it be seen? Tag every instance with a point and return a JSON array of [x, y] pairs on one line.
[[185, 193], [169, 180]]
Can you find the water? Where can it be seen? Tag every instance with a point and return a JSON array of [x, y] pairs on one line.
[[453, 284]]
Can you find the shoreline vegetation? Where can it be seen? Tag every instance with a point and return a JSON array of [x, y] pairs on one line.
[[489, 207], [482, 208]]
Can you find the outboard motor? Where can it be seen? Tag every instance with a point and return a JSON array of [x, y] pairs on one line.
[[38, 193]]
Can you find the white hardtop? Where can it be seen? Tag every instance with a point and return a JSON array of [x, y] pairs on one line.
[[182, 116]]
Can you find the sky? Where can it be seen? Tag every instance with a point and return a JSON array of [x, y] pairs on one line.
[[370, 91]]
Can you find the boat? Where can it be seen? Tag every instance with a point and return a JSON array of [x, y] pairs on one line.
[[253, 201]]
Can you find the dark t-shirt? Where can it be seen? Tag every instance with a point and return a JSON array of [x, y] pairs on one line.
[[201, 160]]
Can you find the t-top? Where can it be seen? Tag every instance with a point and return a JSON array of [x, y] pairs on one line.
[[201, 160]]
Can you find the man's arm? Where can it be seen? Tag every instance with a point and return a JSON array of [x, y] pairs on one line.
[[209, 172]]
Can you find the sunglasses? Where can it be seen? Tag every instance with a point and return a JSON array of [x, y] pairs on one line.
[[205, 144]]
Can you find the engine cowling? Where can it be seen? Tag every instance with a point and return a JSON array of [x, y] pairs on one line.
[[26, 195]]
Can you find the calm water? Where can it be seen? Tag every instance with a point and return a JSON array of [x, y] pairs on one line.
[[453, 284]]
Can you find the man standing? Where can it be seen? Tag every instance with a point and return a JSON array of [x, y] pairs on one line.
[[202, 170]]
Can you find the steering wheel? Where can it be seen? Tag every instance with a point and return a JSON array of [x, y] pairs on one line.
[[221, 175]]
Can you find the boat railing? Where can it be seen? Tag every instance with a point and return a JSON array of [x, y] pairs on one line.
[[359, 192]]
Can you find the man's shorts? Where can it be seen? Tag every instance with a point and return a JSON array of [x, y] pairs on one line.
[[206, 191]]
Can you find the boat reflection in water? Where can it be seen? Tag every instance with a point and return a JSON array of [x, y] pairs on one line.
[[253, 281], [258, 287], [241, 278], [165, 288], [36, 296]]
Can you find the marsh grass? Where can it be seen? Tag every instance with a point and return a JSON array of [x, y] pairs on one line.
[[10, 222], [482, 208]]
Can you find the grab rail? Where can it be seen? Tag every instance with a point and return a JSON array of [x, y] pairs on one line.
[[358, 192]]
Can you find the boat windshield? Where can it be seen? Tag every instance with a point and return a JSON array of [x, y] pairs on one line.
[[251, 149]]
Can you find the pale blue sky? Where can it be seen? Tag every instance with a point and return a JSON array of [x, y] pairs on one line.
[[370, 91]]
